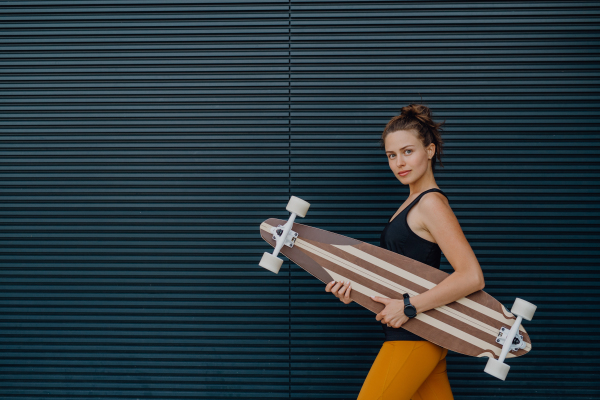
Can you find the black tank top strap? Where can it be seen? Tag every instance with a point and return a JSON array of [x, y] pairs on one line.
[[427, 191], [432, 190], [415, 201]]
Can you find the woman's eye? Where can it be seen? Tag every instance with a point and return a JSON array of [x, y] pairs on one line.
[[392, 155]]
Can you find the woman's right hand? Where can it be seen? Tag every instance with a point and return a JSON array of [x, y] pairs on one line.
[[341, 290]]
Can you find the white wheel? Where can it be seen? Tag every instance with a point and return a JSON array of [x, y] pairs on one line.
[[270, 262], [298, 206], [496, 368], [523, 308]]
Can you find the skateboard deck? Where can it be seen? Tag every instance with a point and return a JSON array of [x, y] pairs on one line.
[[469, 326]]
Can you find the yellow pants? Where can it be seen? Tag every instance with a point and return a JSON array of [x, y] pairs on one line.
[[405, 370]]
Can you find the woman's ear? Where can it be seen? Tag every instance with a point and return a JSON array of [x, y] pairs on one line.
[[431, 150]]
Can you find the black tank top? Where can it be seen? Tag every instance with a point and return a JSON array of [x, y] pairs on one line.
[[399, 238]]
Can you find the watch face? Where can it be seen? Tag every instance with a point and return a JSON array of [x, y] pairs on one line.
[[410, 311]]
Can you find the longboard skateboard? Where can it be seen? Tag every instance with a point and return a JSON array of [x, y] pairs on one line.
[[476, 325]]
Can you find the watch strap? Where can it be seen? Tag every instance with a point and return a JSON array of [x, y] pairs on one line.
[[408, 305]]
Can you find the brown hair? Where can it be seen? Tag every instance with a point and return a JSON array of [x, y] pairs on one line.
[[417, 117]]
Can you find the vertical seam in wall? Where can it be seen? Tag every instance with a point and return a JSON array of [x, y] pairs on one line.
[[289, 193]]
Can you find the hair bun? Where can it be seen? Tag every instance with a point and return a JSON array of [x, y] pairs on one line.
[[420, 112], [408, 112], [415, 111]]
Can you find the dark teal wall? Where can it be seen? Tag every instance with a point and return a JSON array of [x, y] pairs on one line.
[[142, 143]]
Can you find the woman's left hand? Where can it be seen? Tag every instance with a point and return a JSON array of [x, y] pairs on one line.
[[393, 313]]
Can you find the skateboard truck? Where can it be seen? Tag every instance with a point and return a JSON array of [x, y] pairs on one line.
[[511, 340], [283, 235], [517, 342], [289, 240]]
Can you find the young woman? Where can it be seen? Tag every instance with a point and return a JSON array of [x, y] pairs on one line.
[[407, 366]]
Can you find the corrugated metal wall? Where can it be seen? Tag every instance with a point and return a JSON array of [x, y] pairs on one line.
[[518, 85], [142, 143]]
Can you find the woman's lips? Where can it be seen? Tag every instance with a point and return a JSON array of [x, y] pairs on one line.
[[403, 173]]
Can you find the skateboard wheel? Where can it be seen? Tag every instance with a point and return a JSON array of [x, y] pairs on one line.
[[496, 368], [523, 308], [270, 262], [298, 206]]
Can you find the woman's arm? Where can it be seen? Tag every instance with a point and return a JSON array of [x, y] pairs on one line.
[[440, 221]]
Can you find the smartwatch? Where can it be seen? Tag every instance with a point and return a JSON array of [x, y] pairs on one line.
[[409, 310]]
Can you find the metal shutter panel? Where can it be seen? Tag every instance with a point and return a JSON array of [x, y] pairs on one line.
[[142, 143], [517, 83]]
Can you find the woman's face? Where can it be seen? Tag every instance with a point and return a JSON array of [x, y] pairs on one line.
[[405, 152]]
